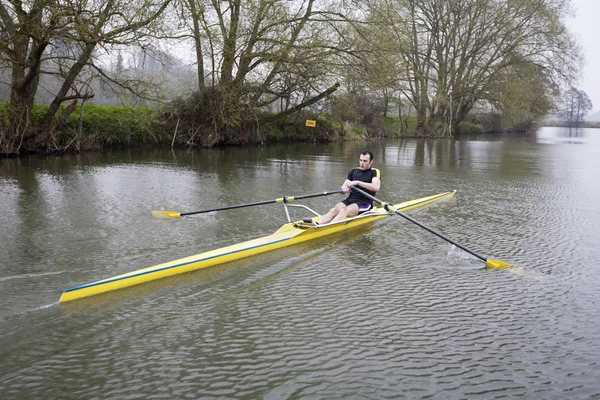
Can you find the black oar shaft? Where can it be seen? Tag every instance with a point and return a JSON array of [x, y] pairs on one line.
[[422, 225], [258, 203], [446, 238], [284, 199]]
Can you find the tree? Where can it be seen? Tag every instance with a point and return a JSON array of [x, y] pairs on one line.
[[520, 96], [575, 105], [264, 55], [60, 38], [454, 51]]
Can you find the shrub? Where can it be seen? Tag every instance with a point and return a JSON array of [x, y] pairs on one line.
[[467, 128]]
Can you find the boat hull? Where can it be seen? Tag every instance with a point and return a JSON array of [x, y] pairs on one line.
[[288, 235]]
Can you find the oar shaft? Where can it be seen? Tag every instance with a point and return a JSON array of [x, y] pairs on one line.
[[258, 203], [446, 238], [414, 221], [284, 199], [308, 196]]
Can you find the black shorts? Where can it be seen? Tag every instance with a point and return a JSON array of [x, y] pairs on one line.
[[363, 206]]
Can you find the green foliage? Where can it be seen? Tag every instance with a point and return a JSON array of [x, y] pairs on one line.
[[117, 125], [101, 125], [522, 95], [395, 126], [109, 124], [36, 116], [356, 108], [294, 129], [273, 133], [325, 119], [467, 128], [118, 122]]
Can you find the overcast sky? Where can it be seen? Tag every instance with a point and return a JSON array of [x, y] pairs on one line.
[[586, 27]]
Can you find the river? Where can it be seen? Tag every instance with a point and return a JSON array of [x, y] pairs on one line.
[[390, 311]]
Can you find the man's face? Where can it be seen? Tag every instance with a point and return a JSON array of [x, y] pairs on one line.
[[365, 162]]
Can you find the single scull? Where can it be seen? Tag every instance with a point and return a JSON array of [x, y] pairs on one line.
[[289, 234]]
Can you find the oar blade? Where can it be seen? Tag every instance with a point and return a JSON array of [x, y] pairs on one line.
[[496, 264], [165, 214]]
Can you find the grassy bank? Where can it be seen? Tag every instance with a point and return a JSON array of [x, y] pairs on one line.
[[97, 127], [92, 127]]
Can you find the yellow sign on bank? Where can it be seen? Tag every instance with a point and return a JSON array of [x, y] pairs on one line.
[[311, 122]]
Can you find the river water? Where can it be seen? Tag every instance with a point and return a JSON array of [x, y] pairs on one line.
[[386, 312]]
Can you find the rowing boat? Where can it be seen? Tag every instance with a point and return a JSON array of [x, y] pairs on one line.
[[289, 234]]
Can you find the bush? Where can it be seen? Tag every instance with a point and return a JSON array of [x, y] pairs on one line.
[[394, 126], [467, 128], [356, 108]]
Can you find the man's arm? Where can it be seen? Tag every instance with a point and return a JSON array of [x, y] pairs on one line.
[[346, 185], [374, 186]]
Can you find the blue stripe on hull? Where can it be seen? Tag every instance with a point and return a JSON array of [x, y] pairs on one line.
[[170, 267]]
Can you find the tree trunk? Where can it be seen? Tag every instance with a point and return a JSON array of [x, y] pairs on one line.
[[26, 58], [198, 44], [69, 81], [229, 46], [76, 68]]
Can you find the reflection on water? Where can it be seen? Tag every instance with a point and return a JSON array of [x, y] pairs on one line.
[[385, 312], [564, 135]]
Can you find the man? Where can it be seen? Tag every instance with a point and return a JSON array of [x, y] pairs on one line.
[[364, 177]]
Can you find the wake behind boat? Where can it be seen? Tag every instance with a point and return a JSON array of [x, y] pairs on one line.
[[289, 234]]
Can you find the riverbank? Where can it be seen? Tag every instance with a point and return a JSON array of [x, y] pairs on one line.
[[101, 127]]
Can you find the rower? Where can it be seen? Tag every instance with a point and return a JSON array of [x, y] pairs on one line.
[[368, 179]]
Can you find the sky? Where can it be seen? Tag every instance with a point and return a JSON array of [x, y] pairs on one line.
[[585, 26]]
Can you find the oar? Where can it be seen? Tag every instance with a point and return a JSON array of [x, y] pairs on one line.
[[284, 199], [389, 207]]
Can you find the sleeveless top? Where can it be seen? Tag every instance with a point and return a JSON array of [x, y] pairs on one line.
[[357, 174]]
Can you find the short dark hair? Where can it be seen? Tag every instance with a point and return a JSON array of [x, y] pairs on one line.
[[369, 152]]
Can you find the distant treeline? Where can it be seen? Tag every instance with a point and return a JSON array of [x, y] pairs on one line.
[[566, 124]]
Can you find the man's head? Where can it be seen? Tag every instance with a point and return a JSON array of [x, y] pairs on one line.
[[365, 160]]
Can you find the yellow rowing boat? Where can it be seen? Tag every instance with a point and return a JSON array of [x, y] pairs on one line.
[[289, 234]]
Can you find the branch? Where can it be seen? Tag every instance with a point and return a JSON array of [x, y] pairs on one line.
[[128, 84], [300, 106]]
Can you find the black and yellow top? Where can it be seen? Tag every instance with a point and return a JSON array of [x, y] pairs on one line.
[[357, 174]]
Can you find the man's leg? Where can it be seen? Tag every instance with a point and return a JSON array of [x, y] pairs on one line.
[[332, 213], [348, 211]]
